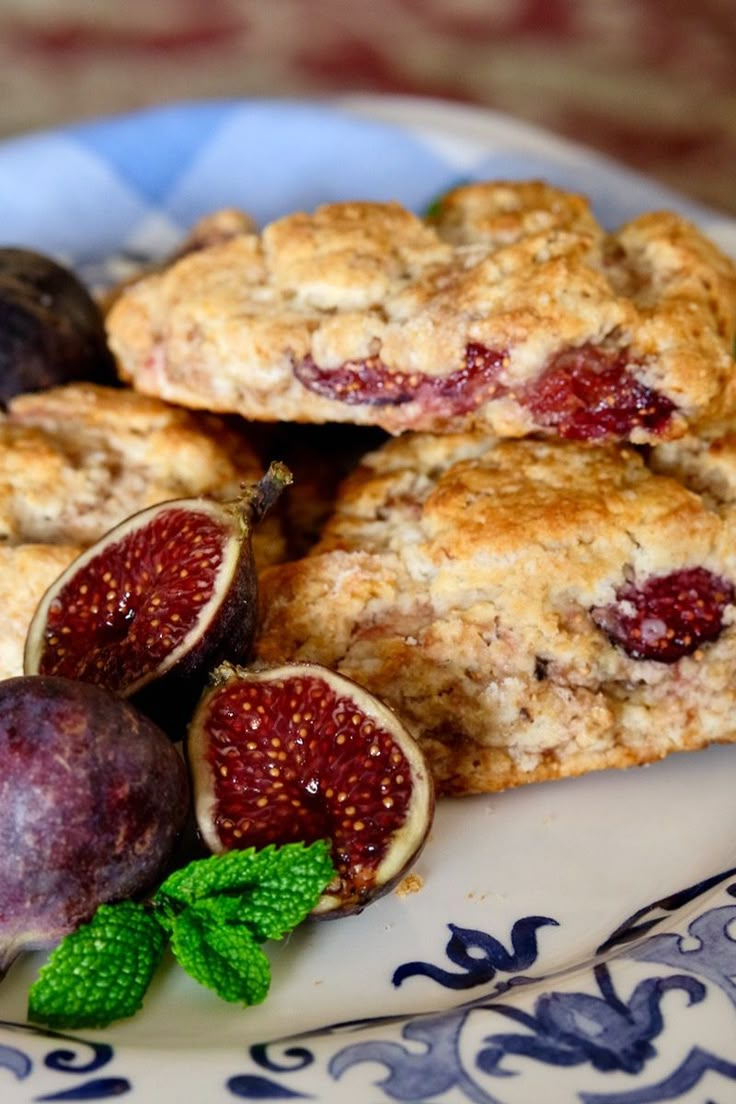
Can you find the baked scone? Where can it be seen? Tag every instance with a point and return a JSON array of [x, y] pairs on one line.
[[76, 460], [705, 464], [531, 609], [509, 310], [122, 270], [26, 572]]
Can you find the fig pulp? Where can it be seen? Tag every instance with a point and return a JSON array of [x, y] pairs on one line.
[[161, 598], [301, 753], [51, 330], [92, 799], [667, 616]]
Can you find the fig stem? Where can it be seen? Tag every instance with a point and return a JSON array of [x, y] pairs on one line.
[[258, 498]]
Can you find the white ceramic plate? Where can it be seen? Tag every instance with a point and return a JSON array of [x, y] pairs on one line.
[[573, 941]]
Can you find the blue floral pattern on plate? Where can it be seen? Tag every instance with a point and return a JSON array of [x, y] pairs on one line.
[[68, 1055], [603, 1017], [471, 995], [585, 1022]]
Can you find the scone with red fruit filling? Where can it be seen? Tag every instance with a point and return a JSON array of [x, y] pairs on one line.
[[78, 459], [509, 310], [531, 609]]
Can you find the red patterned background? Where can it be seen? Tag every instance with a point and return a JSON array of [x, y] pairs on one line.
[[652, 82]]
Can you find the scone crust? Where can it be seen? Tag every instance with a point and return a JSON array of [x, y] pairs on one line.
[[75, 460], [457, 581], [520, 269], [706, 464]]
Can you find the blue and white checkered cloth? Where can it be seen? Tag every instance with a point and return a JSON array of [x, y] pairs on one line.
[[132, 184]]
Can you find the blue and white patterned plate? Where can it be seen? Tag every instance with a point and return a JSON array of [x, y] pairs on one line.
[[573, 941]]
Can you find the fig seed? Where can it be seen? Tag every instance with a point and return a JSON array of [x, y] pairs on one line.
[[150, 608]]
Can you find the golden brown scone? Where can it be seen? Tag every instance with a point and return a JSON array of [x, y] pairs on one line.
[[76, 460], [122, 272], [216, 227], [510, 310], [705, 464], [531, 609]]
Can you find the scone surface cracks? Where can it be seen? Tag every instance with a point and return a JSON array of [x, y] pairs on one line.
[[471, 584], [509, 310]]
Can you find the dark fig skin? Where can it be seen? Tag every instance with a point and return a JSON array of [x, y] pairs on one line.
[[93, 798], [51, 330]]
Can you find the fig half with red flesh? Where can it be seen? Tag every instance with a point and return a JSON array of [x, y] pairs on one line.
[[301, 753], [166, 594]]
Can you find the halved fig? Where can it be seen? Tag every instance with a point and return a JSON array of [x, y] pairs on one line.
[[301, 753], [163, 597]]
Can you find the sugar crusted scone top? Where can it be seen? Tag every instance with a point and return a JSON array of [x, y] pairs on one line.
[[521, 270], [470, 583], [516, 539]]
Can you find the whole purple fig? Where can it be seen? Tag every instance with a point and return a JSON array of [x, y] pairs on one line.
[[93, 797], [51, 329]]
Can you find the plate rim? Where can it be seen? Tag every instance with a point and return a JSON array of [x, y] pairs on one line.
[[401, 112]]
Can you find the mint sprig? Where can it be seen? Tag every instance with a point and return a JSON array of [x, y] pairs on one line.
[[102, 971], [223, 957], [281, 885], [215, 913]]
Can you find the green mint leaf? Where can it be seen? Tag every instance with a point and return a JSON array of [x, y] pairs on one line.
[[222, 957], [292, 887], [433, 208], [217, 912], [275, 888], [100, 972]]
